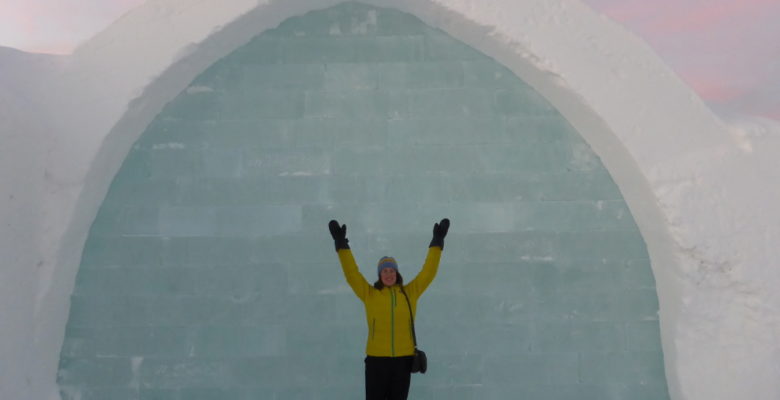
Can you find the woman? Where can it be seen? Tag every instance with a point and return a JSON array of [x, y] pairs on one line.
[[390, 345]]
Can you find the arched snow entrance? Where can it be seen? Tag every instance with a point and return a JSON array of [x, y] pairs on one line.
[[208, 268], [559, 48]]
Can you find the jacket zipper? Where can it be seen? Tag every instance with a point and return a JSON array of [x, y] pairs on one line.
[[392, 322]]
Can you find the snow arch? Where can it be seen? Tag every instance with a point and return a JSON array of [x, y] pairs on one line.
[[601, 79]]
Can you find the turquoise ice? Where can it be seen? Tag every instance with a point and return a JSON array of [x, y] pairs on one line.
[[209, 272]]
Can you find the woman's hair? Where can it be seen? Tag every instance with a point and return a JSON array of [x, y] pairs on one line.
[[378, 285]]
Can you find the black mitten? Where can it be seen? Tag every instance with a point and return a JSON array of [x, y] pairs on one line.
[[439, 232], [339, 233]]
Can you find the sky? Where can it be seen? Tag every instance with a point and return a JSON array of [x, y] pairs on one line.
[[728, 51]]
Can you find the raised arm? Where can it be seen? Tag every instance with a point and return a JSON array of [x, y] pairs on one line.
[[418, 285], [355, 279]]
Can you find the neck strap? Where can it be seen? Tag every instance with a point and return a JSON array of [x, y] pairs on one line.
[[411, 315]]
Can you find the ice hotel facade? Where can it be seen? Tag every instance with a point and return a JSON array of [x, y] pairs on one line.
[[611, 237]]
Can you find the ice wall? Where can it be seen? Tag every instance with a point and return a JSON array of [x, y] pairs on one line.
[[209, 270]]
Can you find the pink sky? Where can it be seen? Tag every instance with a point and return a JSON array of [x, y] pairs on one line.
[[56, 26], [726, 50]]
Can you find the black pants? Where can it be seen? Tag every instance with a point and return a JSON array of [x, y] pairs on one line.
[[388, 378]]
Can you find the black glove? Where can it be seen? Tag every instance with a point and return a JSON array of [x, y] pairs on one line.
[[339, 234], [439, 232]]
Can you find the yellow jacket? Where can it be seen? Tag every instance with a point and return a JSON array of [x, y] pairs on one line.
[[387, 315]]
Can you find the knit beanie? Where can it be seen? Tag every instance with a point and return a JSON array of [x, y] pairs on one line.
[[386, 262]]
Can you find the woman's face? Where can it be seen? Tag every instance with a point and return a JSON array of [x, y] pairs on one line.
[[388, 276]]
